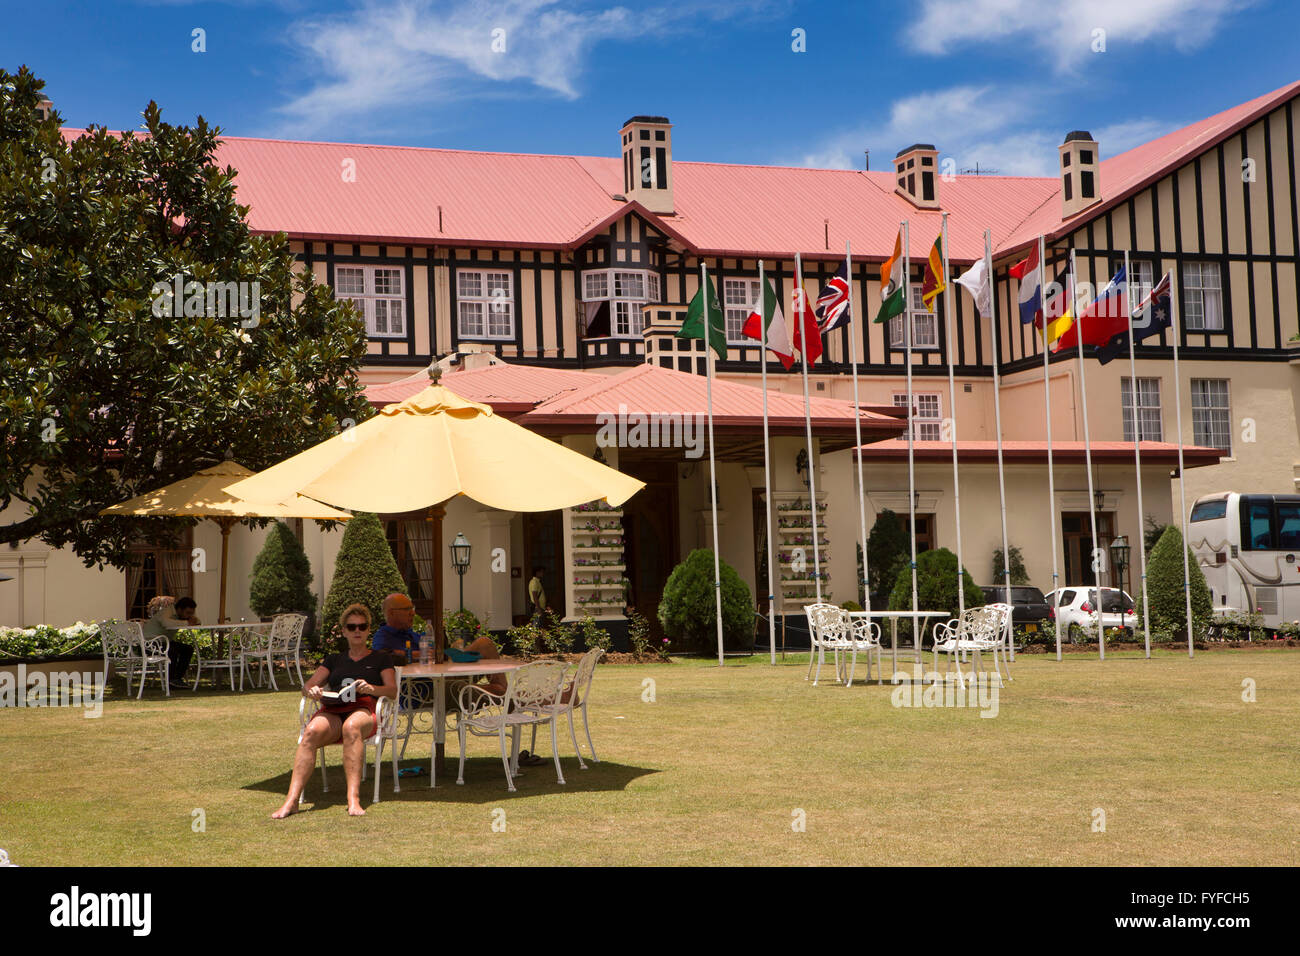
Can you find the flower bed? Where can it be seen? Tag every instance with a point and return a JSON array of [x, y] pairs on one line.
[[45, 643]]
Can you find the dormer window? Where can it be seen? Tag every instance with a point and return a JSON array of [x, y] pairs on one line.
[[627, 292]]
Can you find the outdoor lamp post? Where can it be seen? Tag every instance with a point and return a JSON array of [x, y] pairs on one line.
[[1119, 552], [460, 549]]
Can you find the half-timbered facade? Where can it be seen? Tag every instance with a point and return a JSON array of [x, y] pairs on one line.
[[586, 264]]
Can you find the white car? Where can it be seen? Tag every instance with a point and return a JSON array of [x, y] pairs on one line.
[[1076, 618]]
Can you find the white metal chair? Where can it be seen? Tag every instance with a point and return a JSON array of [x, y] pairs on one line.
[[385, 724], [979, 629], [121, 642], [229, 659], [485, 714], [255, 645], [153, 653], [286, 641], [861, 634], [577, 688], [1005, 637], [816, 647]]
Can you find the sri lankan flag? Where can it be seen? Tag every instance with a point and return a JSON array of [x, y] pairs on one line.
[[932, 283]]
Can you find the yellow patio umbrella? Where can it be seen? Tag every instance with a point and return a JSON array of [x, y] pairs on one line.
[[203, 495], [420, 453]]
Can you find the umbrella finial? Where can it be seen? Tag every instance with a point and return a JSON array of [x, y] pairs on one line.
[[435, 373], [230, 453]]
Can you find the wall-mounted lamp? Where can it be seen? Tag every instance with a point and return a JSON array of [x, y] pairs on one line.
[[801, 466]]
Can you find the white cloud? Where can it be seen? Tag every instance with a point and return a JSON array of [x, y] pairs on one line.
[[1064, 31], [388, 53], [974, 126]]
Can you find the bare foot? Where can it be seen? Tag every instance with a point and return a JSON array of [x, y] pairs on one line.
[[289, 807], [356, 810]]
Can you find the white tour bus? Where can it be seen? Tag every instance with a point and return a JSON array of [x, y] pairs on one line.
[[1248, 546]]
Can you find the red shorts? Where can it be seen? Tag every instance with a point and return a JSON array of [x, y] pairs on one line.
[[343, 710]]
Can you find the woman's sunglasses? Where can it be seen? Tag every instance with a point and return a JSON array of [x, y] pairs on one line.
[[357, 627]]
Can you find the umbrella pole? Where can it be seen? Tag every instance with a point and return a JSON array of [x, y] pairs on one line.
[[225, 524], [436, 514]]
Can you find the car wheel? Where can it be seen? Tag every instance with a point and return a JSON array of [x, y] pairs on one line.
[[1076, 634]]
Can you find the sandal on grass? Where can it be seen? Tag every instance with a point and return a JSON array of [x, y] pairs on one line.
[[529, 760]]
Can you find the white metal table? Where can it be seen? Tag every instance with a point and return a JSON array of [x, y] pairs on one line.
[[439, 673], [918, 616], [229, 660]]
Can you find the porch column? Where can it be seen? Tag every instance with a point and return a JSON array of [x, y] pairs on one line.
[[496, 528]]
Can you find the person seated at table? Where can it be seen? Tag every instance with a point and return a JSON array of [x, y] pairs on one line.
[[371, 676], [396, 636], [166, 616]]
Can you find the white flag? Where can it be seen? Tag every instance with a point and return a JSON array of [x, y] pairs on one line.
[[976, 281]]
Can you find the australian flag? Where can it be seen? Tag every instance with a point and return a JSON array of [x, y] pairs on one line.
[[833, 303], [1152, 317]]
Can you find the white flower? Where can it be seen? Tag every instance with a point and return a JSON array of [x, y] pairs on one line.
[[245, 337]]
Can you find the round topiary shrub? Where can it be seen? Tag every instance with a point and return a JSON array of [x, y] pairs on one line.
[[282, 577], [936, 587], [1165, 589], [687, 611], [364, 573]]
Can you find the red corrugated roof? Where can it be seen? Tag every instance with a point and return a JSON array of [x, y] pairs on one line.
[[505, 387], [1063, 452], [652, 390], [524, 200], [1137, 168]]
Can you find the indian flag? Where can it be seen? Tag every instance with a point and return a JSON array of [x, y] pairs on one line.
[[767, 310], [891, 283]]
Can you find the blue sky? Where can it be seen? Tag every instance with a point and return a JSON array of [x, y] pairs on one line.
[[993, 82]]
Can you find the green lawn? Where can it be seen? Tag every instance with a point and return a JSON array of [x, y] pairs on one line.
[[710, 773]]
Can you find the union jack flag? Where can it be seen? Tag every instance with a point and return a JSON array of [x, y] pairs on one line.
[[833, 303]]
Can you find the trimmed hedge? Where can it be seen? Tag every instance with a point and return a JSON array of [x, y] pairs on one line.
[[282, 577], [688, 612], [364, 573], [936, 586], [1165, 588]]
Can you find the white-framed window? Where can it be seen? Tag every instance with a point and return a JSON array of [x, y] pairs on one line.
[[627, 317], [1202, 303], [485, 300], [927, 425], [1140, 282], [377, 293], [738, 297], [1211, 419], [925, 324], [627, 290], [1148, 408]]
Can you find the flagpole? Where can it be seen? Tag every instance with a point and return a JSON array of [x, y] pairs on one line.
[[952, 407], [1137, 456], [857, 429], [1051, 472], [911, 415], [713, 478], [1087, 449], [767, 462], [997, 416], [1177, 330], [802, 328]]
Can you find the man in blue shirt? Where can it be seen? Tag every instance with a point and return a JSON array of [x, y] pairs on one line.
[[396, 635]]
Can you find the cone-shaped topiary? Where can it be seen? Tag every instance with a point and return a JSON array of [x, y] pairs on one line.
[[687, 610], [282, 577], [936, 586], [364, 573], [1165, 588]]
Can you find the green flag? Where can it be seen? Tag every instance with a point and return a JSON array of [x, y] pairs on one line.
[[693, 327]]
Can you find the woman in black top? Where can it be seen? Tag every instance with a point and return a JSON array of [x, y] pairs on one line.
[[351, 718]]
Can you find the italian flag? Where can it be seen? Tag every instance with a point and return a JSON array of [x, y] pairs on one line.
[[766, 314], [891, 283]]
